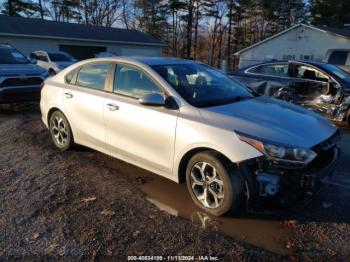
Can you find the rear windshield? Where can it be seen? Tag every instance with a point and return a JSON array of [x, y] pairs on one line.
[[60, 57], [10, 55]]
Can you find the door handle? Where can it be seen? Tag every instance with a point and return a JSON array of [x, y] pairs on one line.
[[113, 107], [68, 95]]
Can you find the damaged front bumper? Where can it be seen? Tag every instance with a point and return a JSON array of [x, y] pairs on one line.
[[267, 181]]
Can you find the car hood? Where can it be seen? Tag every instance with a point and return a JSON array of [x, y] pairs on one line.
[[20, 69], [272, 120]]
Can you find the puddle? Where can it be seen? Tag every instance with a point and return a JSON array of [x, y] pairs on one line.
[[175, 200]]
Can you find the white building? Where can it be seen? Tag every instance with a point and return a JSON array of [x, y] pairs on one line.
[[81, 41], [299, 42]]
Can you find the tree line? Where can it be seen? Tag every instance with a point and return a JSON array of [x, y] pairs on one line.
[[206, 30]]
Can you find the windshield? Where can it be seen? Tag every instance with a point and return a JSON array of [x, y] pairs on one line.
[[9, 55], [60, 57], [201, 85], [337, 71]]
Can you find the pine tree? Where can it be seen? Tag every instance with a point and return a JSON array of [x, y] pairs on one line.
[[335, 13], [25, 8], [152, 17]]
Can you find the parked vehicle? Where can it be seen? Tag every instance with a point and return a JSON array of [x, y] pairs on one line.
[[322, 87], [53, 61], [105, 54], [339, 57], [20, 79], [188, 122]]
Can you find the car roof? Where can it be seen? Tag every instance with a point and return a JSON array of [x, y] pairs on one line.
[[314, 63], [57, 52], [152, 61]]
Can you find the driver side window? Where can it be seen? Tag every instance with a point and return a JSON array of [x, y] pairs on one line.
[[42, 57], [33, 56], [310, 73], [129, 81]]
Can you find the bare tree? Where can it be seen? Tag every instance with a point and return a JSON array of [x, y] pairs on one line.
[[100, 12], [41, 9]]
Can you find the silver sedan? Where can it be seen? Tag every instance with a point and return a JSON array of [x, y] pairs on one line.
[[190, 123]]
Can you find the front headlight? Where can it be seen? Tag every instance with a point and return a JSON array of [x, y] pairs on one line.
[[280, 152]]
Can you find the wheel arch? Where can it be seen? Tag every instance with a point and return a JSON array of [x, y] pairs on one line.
[[54, 109], [50, 112], [182, 166]]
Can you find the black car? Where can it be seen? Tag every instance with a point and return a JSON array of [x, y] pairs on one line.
[[20, 79], [322, 87]]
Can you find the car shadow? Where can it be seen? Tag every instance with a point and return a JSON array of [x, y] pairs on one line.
[[19, 108]]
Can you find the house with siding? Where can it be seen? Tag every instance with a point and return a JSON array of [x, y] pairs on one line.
[[299, 42], [81, 41]]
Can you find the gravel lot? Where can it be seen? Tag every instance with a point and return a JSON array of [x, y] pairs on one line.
[[82, 204]]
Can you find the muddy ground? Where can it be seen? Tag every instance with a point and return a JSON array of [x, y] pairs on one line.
[[82, 204]]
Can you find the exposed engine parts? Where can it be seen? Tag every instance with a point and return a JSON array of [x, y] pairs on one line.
[[268, 184], [333, 105], [321, 87]]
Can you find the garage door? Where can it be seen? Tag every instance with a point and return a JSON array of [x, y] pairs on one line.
[[82, 52], [139, 52]]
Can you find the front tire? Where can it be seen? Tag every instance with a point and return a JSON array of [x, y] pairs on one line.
[[61, 132], [213, 184]]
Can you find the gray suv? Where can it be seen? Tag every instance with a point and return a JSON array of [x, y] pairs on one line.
[[20, 79]]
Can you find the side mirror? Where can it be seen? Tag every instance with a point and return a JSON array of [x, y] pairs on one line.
[[152, 100], [33, 61]]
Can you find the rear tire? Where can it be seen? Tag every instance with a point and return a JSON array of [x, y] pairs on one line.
[[61, 132], [213, 184]]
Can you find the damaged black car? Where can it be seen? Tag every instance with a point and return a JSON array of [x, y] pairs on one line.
[[322, 87]]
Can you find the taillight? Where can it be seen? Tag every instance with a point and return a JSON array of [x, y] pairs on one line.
[[42, 85]]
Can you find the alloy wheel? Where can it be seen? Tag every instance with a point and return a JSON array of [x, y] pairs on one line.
[[60, 131], [207, 185]]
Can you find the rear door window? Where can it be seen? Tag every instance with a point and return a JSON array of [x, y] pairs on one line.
[[93, 76]]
